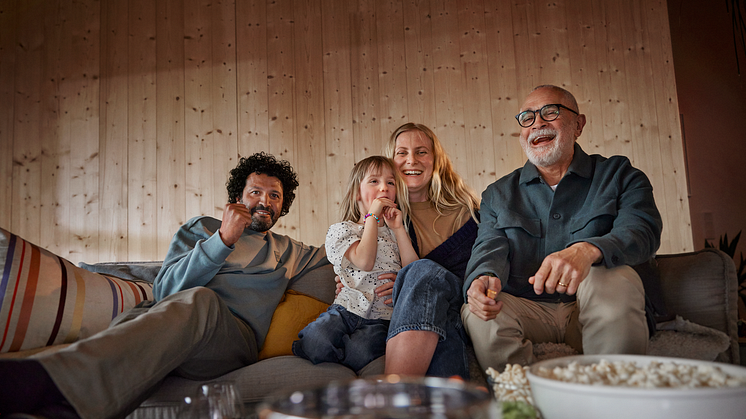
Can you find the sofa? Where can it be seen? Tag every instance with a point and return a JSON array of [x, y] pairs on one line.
[[700, 287]]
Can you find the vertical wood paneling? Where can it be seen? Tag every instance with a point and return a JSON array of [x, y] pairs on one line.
[[171, 198], [477, 113], [613, 84], [645, 154], [366, 109], [419, 61], [225, 118], [80, 109], [198, 106], [113, 128], [550, 43], [281, 84], [8, 15], [27, 153], [338, 116], [504, 95], [55, 156], [584, 40], [673, 199], [392, 76], [251, 53], [447, 75], [122, 119], [141, 128], [310, 130]]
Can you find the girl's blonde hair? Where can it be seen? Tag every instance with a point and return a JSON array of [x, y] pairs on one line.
[[447, 190], [373, 164]]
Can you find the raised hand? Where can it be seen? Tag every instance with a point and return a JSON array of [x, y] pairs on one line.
[[236, 218]]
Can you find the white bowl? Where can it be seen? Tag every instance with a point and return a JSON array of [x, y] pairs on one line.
[[560, 400]]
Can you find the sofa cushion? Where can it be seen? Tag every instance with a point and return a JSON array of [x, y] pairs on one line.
[[133, 271], [46, 300], [293, 313]]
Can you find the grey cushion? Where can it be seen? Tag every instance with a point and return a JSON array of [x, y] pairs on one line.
[[702, 287], [145, 271]]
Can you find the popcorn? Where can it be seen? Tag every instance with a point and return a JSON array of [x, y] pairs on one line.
[[654, 375], [511, 385]]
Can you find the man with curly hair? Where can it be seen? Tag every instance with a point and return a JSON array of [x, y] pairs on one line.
[[214, 298]]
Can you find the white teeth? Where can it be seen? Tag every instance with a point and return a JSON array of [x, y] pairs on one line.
[[412, 172]]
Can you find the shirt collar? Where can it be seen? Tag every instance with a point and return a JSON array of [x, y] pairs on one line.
[[581, 165]]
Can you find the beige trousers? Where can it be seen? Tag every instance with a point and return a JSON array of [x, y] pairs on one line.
[[191, 333], [608, 317]]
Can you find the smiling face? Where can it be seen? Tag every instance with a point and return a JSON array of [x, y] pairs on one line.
[[414, 158], [263, 197], [377, 183], [550, 144]]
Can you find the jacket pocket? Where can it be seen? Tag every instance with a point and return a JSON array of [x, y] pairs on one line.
[[511, 220], [597, 221]]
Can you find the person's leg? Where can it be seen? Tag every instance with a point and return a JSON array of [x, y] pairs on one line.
[[366, 343], [509, 338], [611, 312], [110, 373], [426, 335], [323, 340]]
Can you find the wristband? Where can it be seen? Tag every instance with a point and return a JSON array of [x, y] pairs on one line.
[[370, 215]]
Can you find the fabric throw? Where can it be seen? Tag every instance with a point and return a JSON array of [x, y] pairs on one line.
[[46, 300]]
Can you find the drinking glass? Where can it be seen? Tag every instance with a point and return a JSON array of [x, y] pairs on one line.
[[215, 400]]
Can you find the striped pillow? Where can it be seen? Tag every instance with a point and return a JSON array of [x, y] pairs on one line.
[[46, 300]]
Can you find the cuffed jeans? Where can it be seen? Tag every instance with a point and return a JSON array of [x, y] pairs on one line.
[[191, 333], [343, 337], [608, 317], [427, 297]]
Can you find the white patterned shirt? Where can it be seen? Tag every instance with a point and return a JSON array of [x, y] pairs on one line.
[[358, 295]]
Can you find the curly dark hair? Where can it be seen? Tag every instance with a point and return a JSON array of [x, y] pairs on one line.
[[263, 164]]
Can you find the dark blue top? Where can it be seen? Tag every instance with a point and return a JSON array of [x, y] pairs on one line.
[[454, 253]]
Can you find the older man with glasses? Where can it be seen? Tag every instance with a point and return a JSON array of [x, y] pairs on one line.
[[556, 244]]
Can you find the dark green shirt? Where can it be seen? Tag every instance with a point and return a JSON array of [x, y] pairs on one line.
[[605, 202]]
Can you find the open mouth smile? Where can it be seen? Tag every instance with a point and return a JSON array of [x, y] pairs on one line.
[[412, 172]]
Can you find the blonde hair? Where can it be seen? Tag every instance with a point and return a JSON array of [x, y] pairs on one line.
[[373, 164], [447, 190]]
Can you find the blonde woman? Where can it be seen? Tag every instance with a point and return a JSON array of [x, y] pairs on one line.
[[426, 336]]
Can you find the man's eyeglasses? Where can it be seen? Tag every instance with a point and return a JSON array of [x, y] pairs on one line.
[[548, 113]]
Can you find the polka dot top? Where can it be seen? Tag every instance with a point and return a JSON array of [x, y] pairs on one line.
[[358, 296]]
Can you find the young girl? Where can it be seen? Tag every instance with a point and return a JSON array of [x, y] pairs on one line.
[[364, 245]]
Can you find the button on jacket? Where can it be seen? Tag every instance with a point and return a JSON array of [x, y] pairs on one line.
[[602, 201]]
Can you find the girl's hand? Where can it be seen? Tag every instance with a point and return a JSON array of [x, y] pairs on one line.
[[393, 218], [378, 206]]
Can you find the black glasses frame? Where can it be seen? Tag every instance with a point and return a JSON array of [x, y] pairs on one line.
[[541, 114]]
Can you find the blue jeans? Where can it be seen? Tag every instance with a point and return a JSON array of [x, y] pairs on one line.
[[343, 337], [428, 297]]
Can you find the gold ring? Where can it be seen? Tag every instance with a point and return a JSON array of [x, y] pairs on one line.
[[491, 294], [562, 285]]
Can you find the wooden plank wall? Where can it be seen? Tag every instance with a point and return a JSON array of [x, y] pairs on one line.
[[120, 119]]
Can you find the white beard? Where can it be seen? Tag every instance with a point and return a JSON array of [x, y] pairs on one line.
[[543, 156]]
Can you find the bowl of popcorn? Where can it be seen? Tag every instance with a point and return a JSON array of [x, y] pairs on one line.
[[635, 386]]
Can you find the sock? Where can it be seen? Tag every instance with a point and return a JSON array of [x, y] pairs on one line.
[[26, 386]]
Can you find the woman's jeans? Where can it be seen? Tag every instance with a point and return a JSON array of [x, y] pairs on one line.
[[343, 337], [428, 297]]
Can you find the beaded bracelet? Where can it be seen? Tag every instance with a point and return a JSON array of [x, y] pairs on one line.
[[370, 215]]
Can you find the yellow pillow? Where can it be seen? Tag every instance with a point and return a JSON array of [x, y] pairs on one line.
[[293, 313]]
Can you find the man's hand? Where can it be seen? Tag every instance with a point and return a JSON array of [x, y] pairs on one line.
[[481, 304], [563, 271], [236, 218]]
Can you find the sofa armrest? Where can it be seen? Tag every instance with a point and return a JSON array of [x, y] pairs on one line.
[[702, 287]]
